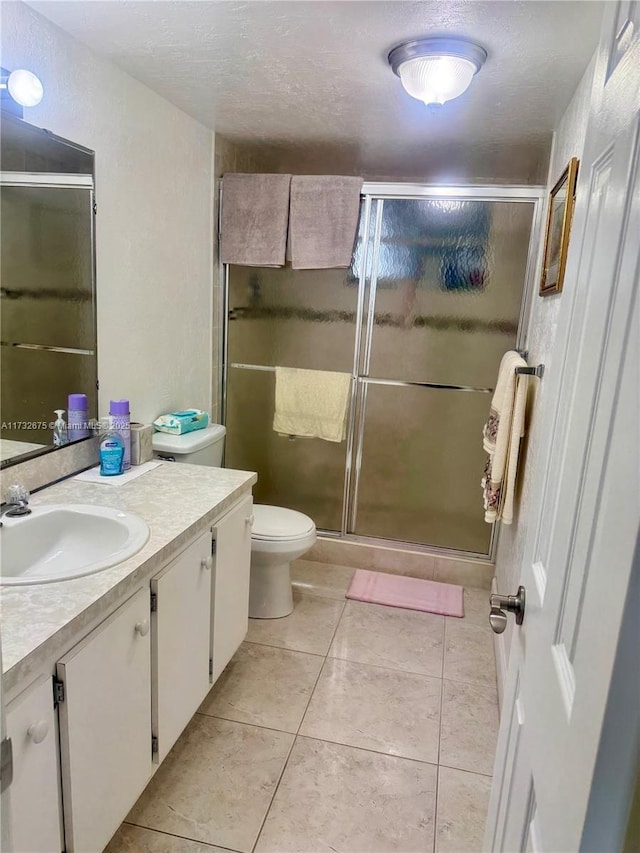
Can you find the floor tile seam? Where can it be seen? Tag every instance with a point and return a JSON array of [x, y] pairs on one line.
[[302, 590], [437, 794], [175, 835], [295, 735], [384, 668], [371, 751], [245, 723], [284, 649], [480, 684], [463, 770], [304, 593], [324, 663], [381, 666], [273, 795], [335, 630]]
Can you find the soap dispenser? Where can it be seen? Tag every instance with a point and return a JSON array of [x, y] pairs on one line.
[[60, 435]]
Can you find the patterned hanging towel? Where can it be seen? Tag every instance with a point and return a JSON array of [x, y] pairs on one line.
[[501, 439]]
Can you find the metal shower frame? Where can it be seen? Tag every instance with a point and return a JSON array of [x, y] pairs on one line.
[[372, 192]]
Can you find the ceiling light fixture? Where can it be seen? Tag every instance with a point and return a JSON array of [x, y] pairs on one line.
[[436, 70], [24, 87]]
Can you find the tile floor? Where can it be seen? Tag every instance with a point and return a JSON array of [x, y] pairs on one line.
[[345, 727]]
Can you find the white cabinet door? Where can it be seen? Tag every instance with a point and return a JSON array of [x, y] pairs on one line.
[[34, 806], [181, 625], [230, 601], [105, 725]]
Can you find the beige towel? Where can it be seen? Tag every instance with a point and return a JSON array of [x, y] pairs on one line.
[[323, 220], [255, 216], [501, 438], [311, 403], [517, 432]]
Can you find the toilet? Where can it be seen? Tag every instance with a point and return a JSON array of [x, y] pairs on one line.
[[278, 535]]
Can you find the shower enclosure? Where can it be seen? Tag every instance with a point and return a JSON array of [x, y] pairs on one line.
[[433, 298]]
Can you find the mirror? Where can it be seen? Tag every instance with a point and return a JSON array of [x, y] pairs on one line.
[[47, 280]]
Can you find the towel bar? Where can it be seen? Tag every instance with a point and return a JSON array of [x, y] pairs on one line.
[[538, 371]]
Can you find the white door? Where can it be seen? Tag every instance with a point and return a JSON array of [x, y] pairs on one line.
[[105, 725], [230, 587], [35, 803], [579, 554], [181, 626]]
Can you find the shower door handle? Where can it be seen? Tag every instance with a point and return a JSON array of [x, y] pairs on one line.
[[511, 603]]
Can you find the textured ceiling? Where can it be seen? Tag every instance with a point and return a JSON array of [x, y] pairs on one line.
[[315, 73]]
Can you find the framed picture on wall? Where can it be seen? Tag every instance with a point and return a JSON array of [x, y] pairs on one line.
[[556, 243]]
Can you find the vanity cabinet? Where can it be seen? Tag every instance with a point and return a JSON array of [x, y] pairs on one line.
[[105, 713], [230, 593], [181, 626], [86, 745], [34, 795]]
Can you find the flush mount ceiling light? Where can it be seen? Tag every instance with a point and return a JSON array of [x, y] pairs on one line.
[[436, 70], [23, 86]]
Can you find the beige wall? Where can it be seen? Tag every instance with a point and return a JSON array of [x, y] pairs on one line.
[[568, 142], [526, 162], [154, 228]]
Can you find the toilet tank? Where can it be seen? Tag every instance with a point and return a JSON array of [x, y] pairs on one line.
[[200, 447]]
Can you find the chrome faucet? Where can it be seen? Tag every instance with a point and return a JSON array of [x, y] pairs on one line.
[[17, 504]]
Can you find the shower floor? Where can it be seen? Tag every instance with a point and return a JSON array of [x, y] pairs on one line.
[[345, 726]]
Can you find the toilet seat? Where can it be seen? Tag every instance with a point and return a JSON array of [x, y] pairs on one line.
[[277, 524]]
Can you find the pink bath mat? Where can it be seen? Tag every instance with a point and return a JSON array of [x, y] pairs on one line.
[[410, 593]]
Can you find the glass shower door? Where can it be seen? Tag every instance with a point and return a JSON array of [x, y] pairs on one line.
[[290, 318], [445, 296]]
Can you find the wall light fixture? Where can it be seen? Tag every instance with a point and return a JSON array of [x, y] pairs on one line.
[[24, 87]]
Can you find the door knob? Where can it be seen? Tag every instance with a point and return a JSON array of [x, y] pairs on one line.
[[511, 603], [206, 563]]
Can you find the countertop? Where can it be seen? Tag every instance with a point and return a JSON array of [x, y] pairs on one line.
[[178, 501]]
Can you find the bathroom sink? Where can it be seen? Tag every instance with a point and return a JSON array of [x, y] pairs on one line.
[[59, 542]]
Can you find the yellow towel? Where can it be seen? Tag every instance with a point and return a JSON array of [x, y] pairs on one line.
[[501, 439], [311, 403]]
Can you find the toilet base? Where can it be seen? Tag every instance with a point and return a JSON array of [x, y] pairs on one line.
[[270, 591]]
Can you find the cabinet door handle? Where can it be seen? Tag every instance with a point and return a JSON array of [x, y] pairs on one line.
[[206, 563], [249, 520], [37, 732], [142, 628]]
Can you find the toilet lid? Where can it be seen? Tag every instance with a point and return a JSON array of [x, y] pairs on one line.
[[276, 522]]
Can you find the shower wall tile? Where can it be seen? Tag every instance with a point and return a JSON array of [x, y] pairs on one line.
[[361, 556], [470, 573], [473, 573], [398, 562], [341, 553]]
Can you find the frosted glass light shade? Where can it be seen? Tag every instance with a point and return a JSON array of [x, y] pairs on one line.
[[25, 88], [436, 70], [436, 79]]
